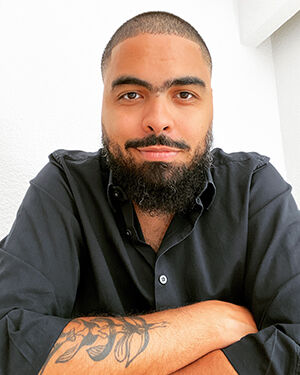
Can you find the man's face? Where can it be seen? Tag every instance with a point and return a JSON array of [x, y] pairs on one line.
[[157, 85]]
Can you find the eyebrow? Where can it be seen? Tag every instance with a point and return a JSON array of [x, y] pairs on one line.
[[181, 81], [130, 80], [184, 81]]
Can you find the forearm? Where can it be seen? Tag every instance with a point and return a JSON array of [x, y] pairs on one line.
[[158, 343], [213, 363]]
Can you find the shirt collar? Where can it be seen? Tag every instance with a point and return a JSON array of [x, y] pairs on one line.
[[208, 193], [116, 195]]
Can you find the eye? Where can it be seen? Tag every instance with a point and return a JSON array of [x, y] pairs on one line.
[[185, 95], [130, 96]]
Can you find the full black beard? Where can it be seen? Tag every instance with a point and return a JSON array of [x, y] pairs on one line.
[[158, 187]]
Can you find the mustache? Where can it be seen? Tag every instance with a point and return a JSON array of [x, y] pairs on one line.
[[153, 140]]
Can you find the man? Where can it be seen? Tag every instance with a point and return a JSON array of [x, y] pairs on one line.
[[154, 255]]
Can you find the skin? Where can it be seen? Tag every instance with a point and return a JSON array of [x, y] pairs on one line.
[[182, 112]]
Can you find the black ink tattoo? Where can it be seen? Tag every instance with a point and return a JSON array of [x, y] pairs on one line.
[[108, 334]]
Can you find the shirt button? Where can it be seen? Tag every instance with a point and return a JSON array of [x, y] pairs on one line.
[[128, 233], [163, 279]]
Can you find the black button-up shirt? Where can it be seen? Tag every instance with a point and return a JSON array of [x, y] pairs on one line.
[[76, 249]]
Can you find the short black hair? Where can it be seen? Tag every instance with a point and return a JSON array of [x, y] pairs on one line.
[[155, 23]]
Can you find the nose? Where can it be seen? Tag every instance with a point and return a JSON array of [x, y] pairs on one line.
[[158, 116]]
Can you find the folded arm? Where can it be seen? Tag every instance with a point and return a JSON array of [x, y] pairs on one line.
[[158, 343]]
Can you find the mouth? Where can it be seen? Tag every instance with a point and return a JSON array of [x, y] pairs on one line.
[[158, 153]]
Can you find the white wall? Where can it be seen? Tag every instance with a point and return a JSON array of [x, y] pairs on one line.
[[286, 53], [259, 19], [50, 86], [278, 22]]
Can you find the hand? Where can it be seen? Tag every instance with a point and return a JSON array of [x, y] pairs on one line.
[[213, 363]]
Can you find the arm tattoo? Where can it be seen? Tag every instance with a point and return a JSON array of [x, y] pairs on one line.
[[106, 334]]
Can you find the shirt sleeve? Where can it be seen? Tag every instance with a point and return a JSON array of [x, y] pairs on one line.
[[39, 273], [272, 280]]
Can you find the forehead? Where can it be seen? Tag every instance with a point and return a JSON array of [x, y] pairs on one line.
[[156, 58]]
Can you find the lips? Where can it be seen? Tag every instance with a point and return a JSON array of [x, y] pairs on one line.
[[158, 153], [158, 149]]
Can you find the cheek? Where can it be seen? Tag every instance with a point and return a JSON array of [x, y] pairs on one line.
[[122, 123], [195, 125], [120, 126]]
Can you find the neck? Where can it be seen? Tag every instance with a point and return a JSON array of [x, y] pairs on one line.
[[153, 227]]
